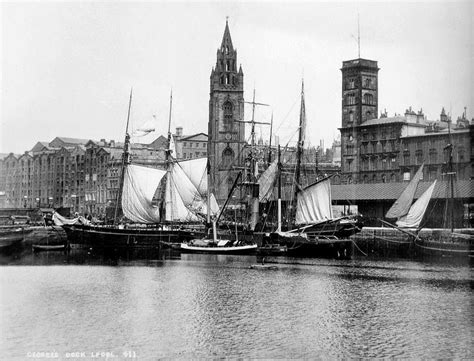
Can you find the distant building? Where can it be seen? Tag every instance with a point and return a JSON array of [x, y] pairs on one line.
[[391, 149]]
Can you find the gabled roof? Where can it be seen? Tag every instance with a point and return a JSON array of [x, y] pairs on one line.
[[39, 146], [160, 142], [391, 191], [69, 141]]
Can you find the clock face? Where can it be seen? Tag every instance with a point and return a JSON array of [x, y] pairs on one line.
[[228, 136]]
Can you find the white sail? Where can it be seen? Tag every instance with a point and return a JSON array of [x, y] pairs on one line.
[[196, 171], [402, 205], [314, 203], [139, 186], [266, 181], [189, 193], [414, 216], [176, 211]]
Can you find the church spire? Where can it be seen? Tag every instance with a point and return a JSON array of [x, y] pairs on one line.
[[225, 74], [226, 44]]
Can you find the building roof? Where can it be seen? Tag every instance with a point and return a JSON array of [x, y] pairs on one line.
[[194, 137], [391, 191], [39, 146], [71, 140]]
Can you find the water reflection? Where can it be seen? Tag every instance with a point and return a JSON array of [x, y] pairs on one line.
[[163, 304]]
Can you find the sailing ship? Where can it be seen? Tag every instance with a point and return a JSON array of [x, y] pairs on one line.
[[177, 218], [444, 242], [315, 233]]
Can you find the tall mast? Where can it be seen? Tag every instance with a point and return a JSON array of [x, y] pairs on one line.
[[125, 160], [270, 143], [168, 153], [451, 174], [254, 205], [299, 149], [279, 190]]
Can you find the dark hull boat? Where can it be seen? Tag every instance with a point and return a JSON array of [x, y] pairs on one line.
[[115, 237], [446, 244], [304, 245], [12, 237]]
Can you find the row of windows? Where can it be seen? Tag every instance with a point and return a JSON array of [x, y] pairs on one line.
[[368, 83], [352, 99], [196, 145], [194, 155]]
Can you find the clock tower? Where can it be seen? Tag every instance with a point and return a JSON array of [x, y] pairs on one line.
[[226, 134]]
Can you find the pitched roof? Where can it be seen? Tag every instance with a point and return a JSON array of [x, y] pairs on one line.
[[40, 146], [391, 191], [71, 140]]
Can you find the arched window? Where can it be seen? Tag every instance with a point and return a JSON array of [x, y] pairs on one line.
[[374, 179], [383, 178], [351, 116], [228, 115], [230, 183], [368, 115], [366, 178], [351, 99], [393, 178], [227, 157], [368, 98]]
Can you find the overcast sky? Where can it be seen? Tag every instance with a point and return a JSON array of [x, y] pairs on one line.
[[67, 67]]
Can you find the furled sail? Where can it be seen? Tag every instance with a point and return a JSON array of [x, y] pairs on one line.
[[414, 216], [140, 184], [403, 203], [266, 181], [314, 203]]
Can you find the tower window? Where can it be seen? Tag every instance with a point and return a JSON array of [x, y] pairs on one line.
[[227, 65], [351, 99], [368, 98], [351, 116], [368, 82], [227, 157], [228, 115]]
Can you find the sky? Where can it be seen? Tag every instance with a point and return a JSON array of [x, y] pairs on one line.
[[67, 67]]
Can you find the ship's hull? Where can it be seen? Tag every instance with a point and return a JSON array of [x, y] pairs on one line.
[[12, 237], [115, 237], [445, 244], [244, 249], [299, 246], [325, 240]]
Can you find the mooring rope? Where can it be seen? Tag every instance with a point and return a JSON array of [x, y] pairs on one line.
[[361, 251]]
